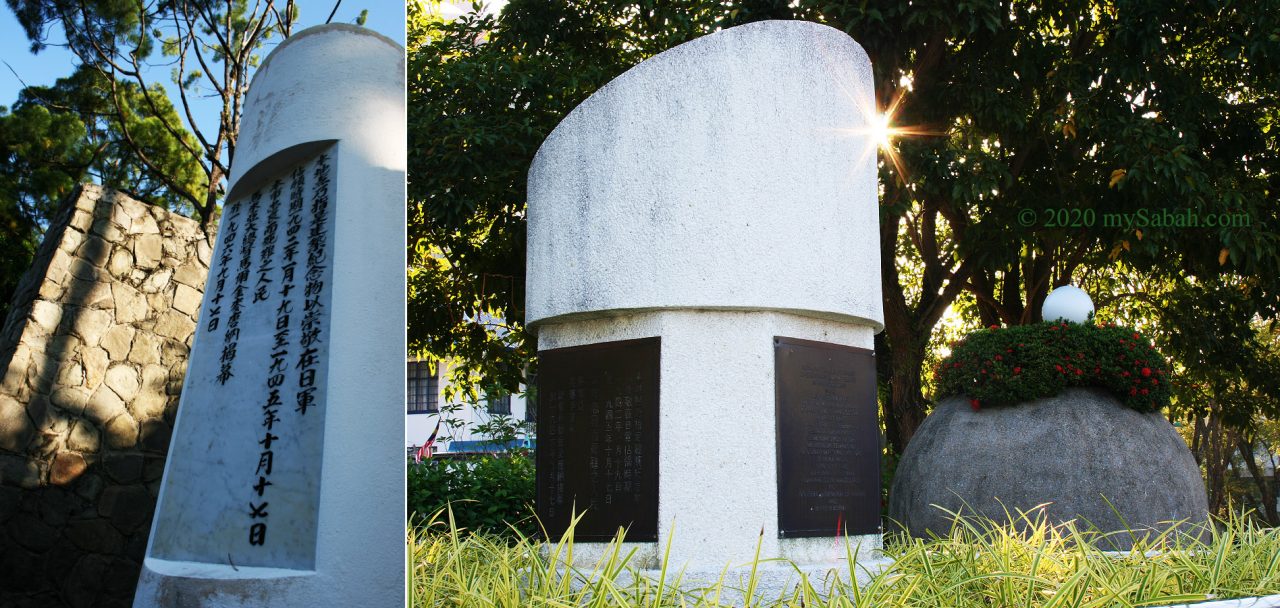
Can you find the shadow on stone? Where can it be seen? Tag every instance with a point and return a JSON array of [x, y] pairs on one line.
[[93, 354]]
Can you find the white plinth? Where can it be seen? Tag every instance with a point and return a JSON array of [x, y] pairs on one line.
[[299, 350]]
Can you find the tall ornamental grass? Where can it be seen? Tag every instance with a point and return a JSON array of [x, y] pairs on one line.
[[979, 564]]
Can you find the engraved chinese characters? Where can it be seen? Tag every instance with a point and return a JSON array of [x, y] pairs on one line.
[[598, 439], [828, 442], [267, 323]]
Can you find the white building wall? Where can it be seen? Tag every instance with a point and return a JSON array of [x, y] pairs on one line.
[[418, 426]]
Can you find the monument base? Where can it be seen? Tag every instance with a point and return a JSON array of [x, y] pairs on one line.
[[819, 561], [165, 583], [770, 580]]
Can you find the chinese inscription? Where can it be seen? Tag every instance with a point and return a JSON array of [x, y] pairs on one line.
[[598, 439], [261, 396]]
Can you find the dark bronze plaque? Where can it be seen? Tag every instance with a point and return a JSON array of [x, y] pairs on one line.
[[598, 439], [828, 439]]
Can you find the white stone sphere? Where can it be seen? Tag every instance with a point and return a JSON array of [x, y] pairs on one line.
[[1067, 303]]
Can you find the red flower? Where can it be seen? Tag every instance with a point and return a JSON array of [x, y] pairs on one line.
[[1145, 391], [1136, 336], [1079, 372], [1155, 382], [1058, 367], [1125, 374], [973, 403], [1146, 371], [1017, 370], [1133, 391], [999, 358], [994, 327]]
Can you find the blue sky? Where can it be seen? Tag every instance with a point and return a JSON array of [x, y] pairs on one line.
[[385, 17]]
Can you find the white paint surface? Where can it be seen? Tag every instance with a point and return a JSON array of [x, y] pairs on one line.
[[343, 87], [735, 171]]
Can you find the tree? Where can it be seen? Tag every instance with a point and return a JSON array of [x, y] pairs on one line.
[[483, 93], [60, 136], [1225, 382], [209, 43], [1064, 111], [72, 132], [1068, 109]]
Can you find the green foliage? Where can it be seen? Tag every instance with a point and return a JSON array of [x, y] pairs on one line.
[[1075, 105], [492, 493], [1008, 366], [1023, 563], [70, 133], [42, 157], [101, 133], [45, 154], [209, 44], [483, 94]]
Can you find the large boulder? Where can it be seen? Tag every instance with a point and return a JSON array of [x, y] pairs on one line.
[[1096, 461]]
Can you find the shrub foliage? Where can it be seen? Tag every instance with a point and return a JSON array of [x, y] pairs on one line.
[[488, 492], [1006, 366]]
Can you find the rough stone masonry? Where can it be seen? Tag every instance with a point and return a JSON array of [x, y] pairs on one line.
[[93, 356]]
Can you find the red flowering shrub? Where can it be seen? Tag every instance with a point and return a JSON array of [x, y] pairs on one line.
[[998, 367]]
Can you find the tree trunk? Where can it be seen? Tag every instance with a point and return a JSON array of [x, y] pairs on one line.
[[1216, 445], [1266, 489], [905, 410]]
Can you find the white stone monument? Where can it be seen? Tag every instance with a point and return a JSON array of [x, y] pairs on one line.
[[704, 216], [285, 479]]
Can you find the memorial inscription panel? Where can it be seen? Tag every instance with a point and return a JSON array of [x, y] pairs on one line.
[[598, 439], [828, 439], [243, 479]]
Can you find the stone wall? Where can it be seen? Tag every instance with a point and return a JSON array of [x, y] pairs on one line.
[[92, 355]]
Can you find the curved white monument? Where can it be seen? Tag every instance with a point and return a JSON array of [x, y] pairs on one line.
[[285, 479], [703, 278], [735, 171]]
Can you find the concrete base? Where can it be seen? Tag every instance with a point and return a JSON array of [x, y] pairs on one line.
[[775, 581], [770, 580]]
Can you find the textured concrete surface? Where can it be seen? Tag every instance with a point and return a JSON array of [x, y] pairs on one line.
[[772, 580], [1265, 601], [1071, 450], [734, 171], [93, 356], [338, 87], [717, 461]]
